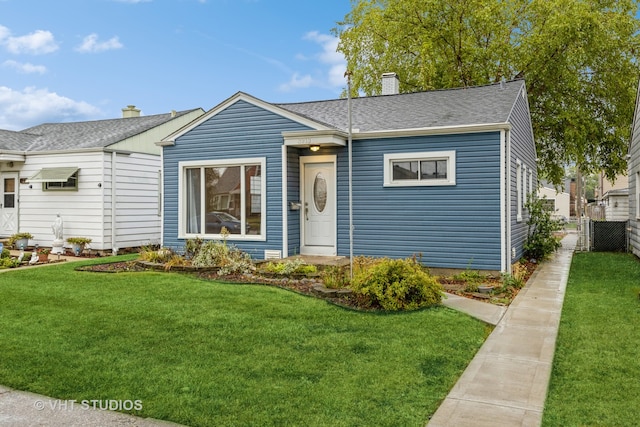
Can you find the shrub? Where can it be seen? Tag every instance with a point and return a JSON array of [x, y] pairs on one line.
[[229, 258], [6, 253], [8, 263], [289, 267], [159, 256], [541, 241], [396, 285]]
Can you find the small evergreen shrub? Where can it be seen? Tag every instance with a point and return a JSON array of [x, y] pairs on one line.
[[6, 253], [396, 285], [541, 241]]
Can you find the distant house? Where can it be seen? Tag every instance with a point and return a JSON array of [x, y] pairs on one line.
[[558, 202], [102, 177], [443, 175]]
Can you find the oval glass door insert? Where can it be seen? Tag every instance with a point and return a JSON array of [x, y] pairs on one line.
[[320, 192]]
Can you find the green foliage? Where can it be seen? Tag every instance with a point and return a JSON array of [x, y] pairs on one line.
[[290, 267], [396, 285], [6, 253], [192, 247], [18, 236], [229, 258], [541, 241], [8, 262], [159, 256], [79, 240], [576, 56]]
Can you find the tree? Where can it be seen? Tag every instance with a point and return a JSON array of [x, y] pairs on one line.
[[578, 57]]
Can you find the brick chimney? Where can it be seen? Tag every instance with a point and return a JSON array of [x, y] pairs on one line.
[[130, 111], [390, 84]]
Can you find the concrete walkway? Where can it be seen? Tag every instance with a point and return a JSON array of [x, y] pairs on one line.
[[506, 382]]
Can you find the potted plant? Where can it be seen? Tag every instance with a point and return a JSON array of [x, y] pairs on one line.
[[20, 240], [43, 254], [78, 243]]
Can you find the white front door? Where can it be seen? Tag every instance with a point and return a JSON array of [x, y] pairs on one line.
[[8, 203], [318, 206]]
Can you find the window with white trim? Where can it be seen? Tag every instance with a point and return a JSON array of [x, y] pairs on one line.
[[519, 195], [420, 169], [223, 195], [638, 195]]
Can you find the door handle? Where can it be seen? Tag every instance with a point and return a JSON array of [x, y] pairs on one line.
[[306, 213]]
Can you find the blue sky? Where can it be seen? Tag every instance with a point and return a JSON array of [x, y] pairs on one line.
[[76, 60]]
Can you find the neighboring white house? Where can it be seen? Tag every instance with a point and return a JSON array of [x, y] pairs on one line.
[[559, 202], [616, 204], [101, 176]]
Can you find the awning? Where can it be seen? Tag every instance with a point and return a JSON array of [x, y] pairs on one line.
[[53, 175]]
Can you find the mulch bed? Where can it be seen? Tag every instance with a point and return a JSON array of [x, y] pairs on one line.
[[313, 286]]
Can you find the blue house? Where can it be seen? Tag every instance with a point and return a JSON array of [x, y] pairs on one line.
[[443, 175]]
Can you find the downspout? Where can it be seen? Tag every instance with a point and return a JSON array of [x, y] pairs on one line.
[[114, 248], [349, 143]]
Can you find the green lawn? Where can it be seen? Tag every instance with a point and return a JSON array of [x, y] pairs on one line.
[[205, 353], [596, 370]]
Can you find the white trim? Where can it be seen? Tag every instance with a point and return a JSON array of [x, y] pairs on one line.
[[449, 156], [241, 96], [637, 191], [317, 250], [262, 161], [285, 207], [519, 195], [436, 130], [505, 262]]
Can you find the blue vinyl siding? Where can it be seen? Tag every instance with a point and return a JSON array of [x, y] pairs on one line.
[[240, 131], [450, 226]]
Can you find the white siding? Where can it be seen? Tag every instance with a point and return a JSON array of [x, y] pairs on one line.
[[80, 210], [88, 211], [137, 217]]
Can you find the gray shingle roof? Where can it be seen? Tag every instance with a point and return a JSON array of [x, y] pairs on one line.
[[15, 141], [447, 107], [78, 135]]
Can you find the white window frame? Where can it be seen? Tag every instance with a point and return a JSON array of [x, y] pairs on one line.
[[519, 190], [637, 195], [449, 156], [182, 200]]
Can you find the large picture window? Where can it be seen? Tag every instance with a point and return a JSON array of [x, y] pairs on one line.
[[223, 195], [426, 168]]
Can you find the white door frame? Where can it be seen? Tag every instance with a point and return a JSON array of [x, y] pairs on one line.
[[4, 230], [319, 250]]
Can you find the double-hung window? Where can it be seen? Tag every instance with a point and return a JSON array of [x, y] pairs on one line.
[[223, 195], [415, 169]]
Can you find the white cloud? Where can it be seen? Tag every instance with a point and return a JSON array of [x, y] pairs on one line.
[[331, 66], [30, 107], [90, 44], [25, 68], [37, 43]]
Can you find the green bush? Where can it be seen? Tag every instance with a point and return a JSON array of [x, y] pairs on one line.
[[289, 267], [396, 285], [6, 253], [541, 241], [229, 258]]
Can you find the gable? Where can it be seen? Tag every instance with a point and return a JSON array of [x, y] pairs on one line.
[[241, 97]]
